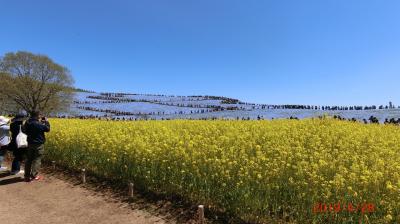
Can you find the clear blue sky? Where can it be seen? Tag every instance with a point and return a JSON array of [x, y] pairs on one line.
[[311, 52]]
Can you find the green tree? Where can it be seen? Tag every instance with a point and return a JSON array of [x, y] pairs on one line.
[[34, 82]]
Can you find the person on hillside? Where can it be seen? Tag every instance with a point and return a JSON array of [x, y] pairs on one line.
[[4, 140], [35, 129], [16, 124]]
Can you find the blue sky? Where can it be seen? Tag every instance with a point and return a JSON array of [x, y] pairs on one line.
[[301, 52]]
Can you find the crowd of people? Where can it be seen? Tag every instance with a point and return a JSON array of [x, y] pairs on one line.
[[370, 120], [126, 113], [314, 107], [111, 99], [392, 121], [34, 128]]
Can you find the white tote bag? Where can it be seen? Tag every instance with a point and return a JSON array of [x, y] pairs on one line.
[[22, 139]]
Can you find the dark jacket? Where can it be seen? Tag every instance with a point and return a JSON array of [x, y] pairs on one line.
[[14, 129], [35, 131]]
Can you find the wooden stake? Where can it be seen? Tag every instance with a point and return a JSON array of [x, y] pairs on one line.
[[53, 164], [83, 176], [130, 193], [200, 213]]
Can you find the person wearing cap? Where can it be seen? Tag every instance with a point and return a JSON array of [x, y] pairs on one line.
[[35, 128], [15, 127], [4, 140]]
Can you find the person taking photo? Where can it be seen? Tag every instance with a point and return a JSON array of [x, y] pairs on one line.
[[35, 128]]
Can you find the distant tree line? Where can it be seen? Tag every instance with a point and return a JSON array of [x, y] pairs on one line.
[[224, 100], [79, 90], [117, 94], [323, 108]]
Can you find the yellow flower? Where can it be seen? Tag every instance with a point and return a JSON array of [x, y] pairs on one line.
[[264, 163], [388, 217]]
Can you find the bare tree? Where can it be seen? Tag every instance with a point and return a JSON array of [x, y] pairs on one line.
[[34, 82]]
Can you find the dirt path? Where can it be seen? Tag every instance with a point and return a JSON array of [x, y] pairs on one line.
[[54, 200]]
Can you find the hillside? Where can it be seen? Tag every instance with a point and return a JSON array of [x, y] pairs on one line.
[[147, 106]]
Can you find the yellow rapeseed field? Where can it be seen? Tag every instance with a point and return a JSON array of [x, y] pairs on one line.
[[307, 171]]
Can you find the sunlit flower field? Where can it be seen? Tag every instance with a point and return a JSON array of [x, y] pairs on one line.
[[257, 171]]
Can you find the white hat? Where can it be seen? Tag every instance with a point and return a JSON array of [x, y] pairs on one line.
[[4, 120]]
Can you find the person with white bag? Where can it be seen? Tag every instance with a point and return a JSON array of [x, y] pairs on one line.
[[17, 147], [4, 140]]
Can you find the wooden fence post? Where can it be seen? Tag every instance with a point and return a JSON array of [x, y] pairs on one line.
[[53, 163], [83, 176], [200, 214], [130, 193]]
